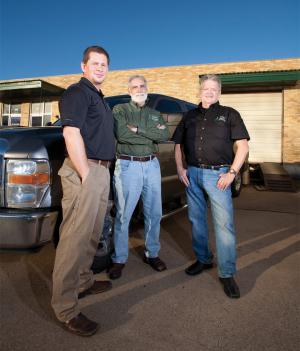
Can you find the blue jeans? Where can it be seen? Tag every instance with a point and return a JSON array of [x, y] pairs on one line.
[[203, 186], [132, 180]]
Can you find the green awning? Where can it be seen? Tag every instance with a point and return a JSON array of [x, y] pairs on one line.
[[251, 81], [282, 77], [28, 89]]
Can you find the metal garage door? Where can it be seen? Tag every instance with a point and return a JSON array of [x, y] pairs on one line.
[[262, 114]]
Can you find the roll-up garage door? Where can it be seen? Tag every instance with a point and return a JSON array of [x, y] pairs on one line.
[[262, 114]]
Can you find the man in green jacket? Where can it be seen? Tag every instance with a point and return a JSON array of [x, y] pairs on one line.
[[138, 129]]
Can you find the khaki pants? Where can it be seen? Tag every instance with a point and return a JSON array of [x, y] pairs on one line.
[[84, 207]]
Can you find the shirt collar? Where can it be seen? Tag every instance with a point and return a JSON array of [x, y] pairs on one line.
[[86, 82], [211, 107], [132, 103]]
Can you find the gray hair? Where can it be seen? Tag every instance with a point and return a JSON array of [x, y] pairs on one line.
[[213, 77], [136, 76]]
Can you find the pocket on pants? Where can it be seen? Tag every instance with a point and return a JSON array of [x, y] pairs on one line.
[[88, 176], [69, 173], [122, 165], [156, 163]]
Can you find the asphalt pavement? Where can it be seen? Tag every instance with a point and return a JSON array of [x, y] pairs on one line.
[[147, 310]]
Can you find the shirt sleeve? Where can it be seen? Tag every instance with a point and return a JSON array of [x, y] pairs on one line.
[[73, 107], [153, 133], [122, 133], [238, 129], [179, 131]]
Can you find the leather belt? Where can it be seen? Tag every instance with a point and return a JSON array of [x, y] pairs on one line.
[[104, 163], [136, 158], [216, 168]]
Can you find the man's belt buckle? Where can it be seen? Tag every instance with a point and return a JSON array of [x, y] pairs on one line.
[[212, 167]]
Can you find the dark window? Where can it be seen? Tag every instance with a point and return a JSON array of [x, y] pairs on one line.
[[36, 121], [168, 106], [15, 121], [5, 120], [116, 100]]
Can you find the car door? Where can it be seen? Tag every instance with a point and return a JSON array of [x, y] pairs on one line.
[[172, 111]]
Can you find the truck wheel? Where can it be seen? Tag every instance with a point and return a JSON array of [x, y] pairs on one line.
[[236, 185]]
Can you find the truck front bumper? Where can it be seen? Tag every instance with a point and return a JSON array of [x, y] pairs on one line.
[[20, 229]]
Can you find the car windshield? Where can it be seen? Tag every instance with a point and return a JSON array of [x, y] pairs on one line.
[[115, 100]]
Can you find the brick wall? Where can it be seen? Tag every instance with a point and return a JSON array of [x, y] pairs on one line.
[[291, 125], [177, 81], [182, 82], [25, 114]]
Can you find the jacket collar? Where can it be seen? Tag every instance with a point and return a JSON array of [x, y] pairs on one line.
[[86, 82], [134, 104], [211, 107]]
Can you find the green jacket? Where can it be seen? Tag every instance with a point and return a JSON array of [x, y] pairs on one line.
[[144, 142]]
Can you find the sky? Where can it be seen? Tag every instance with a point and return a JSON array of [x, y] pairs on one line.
[[43, 38]]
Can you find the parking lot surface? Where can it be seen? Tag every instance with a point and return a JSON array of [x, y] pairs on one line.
[[147, 310]]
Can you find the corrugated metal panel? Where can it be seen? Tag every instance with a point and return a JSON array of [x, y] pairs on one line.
[[262, 114]]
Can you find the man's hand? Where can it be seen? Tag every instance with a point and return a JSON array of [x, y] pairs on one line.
[[84, 175], [182, 175], [225, 179], [161, 126], [76, 151], [132, 128]]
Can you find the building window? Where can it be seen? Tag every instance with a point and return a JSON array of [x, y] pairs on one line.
[[11, 115], [40, 113]]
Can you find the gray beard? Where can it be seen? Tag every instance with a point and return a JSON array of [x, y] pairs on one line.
[[139, 97]]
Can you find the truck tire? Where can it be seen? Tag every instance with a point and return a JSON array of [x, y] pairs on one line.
[[102, 258], [236, 185]]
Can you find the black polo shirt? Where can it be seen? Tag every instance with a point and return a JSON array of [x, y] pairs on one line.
[[83, 106], [207, 135]]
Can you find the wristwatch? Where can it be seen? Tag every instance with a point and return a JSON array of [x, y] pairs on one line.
[[233, 171]]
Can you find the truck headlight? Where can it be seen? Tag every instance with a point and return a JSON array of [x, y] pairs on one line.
[[26, 182]]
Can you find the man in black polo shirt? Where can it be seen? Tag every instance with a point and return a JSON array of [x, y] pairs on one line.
[[207, 135], [88, 131]]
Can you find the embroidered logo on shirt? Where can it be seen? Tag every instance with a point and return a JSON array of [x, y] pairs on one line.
[[154, 118], [221, 119]]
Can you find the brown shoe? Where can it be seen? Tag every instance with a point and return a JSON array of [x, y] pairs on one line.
[[115, 270], [97, 288], [81, 325], [156, 263]]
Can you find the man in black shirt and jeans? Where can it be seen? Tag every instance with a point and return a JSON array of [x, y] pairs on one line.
[[207, 135], [88, 131]]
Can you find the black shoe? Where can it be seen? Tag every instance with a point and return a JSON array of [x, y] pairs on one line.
[[81, 325], [197, 268], [97, 288], [115, 270], [230, 287], [156, 263]]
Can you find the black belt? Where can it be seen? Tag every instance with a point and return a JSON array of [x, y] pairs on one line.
[[216, 168], [136, 158], [104, 163]]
